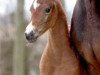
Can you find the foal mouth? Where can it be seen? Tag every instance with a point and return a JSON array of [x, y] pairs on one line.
[[32, 40]]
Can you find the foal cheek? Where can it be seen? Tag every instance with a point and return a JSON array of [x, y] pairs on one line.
[[46, 18]]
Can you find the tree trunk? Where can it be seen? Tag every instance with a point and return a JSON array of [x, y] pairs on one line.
[[19, 49]]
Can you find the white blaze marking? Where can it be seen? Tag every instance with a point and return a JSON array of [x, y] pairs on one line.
[[35, 4], [29, 28]]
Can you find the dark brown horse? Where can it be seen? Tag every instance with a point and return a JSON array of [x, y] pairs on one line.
[[85, 33]]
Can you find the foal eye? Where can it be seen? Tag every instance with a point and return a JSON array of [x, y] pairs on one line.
[[47, 10]]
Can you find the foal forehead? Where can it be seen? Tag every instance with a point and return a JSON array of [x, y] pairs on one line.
[[38, 3], [35, 4]]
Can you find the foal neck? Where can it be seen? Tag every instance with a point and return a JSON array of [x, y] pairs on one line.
[[58, 43], [58, 57]]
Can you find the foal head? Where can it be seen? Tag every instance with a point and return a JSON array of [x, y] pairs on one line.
[[44, 15]]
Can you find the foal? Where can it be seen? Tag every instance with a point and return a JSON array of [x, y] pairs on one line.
[[58, 57]]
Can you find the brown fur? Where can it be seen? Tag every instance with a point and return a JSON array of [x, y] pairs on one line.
[[58, 58], [85, 33]]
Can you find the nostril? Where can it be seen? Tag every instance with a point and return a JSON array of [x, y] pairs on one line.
[[31, 34], [27, 37]]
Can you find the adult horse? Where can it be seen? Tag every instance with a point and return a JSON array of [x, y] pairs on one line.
[[85, 33]]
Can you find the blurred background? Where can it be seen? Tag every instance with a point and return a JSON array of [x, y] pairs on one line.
[[17, 56]]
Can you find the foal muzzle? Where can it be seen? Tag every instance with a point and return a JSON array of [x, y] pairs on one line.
[[31, 37]]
